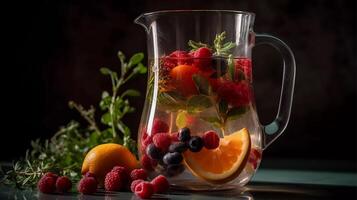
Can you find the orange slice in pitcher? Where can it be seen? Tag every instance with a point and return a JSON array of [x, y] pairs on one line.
[[224, 163]]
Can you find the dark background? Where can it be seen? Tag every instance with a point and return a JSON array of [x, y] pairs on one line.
[[54, 49]]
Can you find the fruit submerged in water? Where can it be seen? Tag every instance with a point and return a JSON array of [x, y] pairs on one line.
[[224, 163]]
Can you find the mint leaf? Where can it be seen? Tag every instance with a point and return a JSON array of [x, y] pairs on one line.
[[135, 59], [106, 119], [202, 84], [105, 71], [196, 45], [131, 92], [198, 103], [171, 100], [235, 112], [140, 68], [231, 67], [214, 121]]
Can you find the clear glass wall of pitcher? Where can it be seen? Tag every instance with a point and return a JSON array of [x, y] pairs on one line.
[[199, 125]]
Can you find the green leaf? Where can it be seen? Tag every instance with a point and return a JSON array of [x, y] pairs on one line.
[[135, 59], [131, 92], [181, 119], [105, 71], [231, 68], [198, 103], [105, 102], [105, 94], [202, 84], [213, 121], [223, 107], [121, 57], [106, 119], [236, 112], [171, 100], [140, 68], [196, 45]]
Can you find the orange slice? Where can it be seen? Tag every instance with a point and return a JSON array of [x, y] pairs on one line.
[[224, 163]]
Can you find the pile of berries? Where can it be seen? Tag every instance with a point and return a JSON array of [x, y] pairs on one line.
[[165, 149], [118, 179], [51, 183]]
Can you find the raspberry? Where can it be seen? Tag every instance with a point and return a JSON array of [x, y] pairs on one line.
[[134, 184], [138, 174], [236, 94], [174, 137], [162, 141], [202, 58], [114, 181], [244, 65], [159, 126], [181, 58], [145, 142], [147, 163], [210, 140], [63, 184], [47, 184], [88, 174], [144, 190], [51, 174], [160, 184], [120, 170], [87, 185]]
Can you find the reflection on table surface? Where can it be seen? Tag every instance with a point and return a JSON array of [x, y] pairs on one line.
[[254, 191]]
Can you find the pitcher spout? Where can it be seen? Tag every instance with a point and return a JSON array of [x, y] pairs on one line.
[[143, 21]]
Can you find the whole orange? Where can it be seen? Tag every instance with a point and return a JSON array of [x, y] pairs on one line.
[[102, 158]]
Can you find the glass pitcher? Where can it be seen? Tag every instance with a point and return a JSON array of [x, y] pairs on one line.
[[199, 125]]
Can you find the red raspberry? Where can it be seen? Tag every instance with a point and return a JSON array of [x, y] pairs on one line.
[[236, 94], [122, 171], [181, 57], [145, 142], [87, 185], [244, 65], [202, 58], [134, 184], [144, 190], [63, 184], [161, 184], [114, 181], [138, 174], [47, 184], [159, 126], [210, 140], [254, 157], [162, 141], [88, 174], [147, 163], [174, 137], [51, 174]]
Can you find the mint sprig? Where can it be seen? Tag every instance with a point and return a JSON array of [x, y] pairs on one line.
[[64, 152]]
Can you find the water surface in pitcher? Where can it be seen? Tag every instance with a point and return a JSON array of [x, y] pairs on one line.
[[199, 125]]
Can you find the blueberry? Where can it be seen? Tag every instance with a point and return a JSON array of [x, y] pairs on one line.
[[184, 134], [178, 147], [153, 152], [195, 144], [173, 170], [172, 158]]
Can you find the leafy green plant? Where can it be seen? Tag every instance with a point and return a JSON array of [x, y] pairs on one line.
[[65, 151]]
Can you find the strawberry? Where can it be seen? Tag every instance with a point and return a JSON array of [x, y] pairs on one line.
[[202, 58]]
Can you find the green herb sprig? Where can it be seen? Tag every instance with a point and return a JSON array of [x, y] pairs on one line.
[[65, 151]]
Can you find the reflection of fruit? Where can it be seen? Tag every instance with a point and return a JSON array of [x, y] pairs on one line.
[[102, 158], [224, 163], [245, 65], [182, 78]]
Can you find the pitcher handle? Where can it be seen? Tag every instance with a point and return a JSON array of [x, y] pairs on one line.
[[273, 130]]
